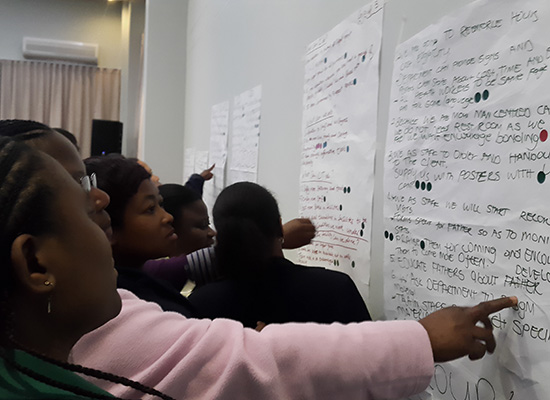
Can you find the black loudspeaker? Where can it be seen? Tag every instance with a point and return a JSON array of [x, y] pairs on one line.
[[106, 137]]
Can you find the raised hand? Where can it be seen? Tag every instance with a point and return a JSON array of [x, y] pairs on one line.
[[207, 173], [297, 233]]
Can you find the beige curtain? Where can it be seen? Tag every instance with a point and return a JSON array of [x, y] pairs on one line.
[[64, 96]]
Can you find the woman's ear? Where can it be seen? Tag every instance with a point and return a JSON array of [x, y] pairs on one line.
[[28, 269]]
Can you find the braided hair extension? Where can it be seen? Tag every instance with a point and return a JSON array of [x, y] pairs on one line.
[[20, 129], [52, 382], [25, 205], [24, 201], [102, 375]]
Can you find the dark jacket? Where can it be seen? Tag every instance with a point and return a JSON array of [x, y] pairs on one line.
[[155, 290], [285, 292]]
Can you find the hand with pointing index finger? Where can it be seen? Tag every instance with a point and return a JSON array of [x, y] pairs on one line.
[[454, 332], [207, 173]]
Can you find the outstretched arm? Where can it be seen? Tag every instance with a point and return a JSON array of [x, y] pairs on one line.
[[297, 233], [202, 359]]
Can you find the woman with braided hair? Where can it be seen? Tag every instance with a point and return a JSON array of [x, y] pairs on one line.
[[53, 143], [58, 280]]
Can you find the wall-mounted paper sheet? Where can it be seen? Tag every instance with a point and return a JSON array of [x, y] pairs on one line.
[[245, 137], [201, 161], [339, 141], [219, 129], [188, 163], [467, 187]]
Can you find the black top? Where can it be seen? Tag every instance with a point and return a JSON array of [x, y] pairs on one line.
[[196, 183], [284, 293], [155, 290]]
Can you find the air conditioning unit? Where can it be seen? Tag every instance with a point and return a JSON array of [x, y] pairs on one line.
[[49, 49]]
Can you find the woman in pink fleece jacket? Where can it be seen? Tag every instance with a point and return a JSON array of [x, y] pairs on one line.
[[219, 359]]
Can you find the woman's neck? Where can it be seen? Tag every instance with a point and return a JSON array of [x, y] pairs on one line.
[[41, 339], [34, 329]]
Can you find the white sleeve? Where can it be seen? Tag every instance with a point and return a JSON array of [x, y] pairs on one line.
[[201, 266]]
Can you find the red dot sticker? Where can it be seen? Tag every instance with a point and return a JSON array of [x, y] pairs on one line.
[[543, 135]]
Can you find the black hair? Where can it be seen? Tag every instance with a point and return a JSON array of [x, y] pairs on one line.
[[26, 202], [177, 198], [68, 135], [247, 221], [23, 130], [27, 130], [120, 178]]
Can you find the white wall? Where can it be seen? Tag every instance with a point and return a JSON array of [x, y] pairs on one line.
[[164, 87], [235, 45], [133, 26], [115, 26], [82, 21]]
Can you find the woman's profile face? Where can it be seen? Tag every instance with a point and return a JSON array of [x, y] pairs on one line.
[[79, 256], [147, 230], [193, 228]]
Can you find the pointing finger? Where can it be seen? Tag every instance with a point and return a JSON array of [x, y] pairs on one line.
[[489, 307]]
